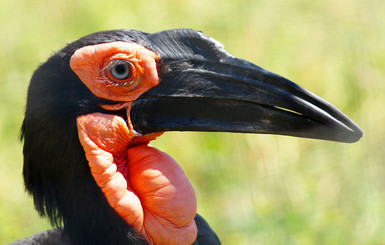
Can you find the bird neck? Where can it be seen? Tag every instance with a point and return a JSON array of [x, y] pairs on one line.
[[57, 175]]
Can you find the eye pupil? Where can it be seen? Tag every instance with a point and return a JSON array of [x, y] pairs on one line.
[[121, 70]]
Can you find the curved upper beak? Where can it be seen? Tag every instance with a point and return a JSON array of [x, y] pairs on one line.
[[203, 91]]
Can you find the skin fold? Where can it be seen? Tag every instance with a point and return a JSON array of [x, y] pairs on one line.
[[145, 186]]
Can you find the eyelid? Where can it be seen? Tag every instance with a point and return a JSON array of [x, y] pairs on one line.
[[115, 62]]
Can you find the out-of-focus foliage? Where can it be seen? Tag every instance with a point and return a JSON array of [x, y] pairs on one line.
[[252, 189]]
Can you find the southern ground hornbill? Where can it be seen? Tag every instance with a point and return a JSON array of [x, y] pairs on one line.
[[93, 107]]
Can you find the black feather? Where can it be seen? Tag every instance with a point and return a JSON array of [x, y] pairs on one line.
[[56, 172], [55, 169]]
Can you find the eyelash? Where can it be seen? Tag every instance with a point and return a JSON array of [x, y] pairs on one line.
[[131, 82], [113, 64]]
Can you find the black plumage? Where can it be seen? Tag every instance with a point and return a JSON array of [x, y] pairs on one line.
[[55, 169]]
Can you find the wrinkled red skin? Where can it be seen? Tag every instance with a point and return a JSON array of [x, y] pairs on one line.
[[145, 186]]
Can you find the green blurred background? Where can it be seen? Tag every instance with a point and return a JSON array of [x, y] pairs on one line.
[[252, 189]]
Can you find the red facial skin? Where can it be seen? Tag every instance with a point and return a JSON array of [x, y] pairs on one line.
[[145, 186]]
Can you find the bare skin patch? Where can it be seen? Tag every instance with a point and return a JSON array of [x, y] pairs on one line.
[[117, 71], [145, 186]]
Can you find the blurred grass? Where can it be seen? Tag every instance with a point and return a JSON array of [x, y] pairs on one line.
[[252, 189]]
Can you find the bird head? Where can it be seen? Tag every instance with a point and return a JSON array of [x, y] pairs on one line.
[[114, 90]]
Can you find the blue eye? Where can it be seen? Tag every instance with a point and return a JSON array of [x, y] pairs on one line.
[[120, 69]]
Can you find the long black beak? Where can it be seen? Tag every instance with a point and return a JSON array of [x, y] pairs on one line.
[[203, 88]]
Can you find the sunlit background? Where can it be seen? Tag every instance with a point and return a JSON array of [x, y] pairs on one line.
[[252, 189]]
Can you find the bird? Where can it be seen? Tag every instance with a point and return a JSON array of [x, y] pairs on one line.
[[93, 107]]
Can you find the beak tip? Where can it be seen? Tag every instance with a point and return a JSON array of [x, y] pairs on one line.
[[356, 135]]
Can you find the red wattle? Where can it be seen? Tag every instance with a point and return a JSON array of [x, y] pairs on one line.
[[145, 186]]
